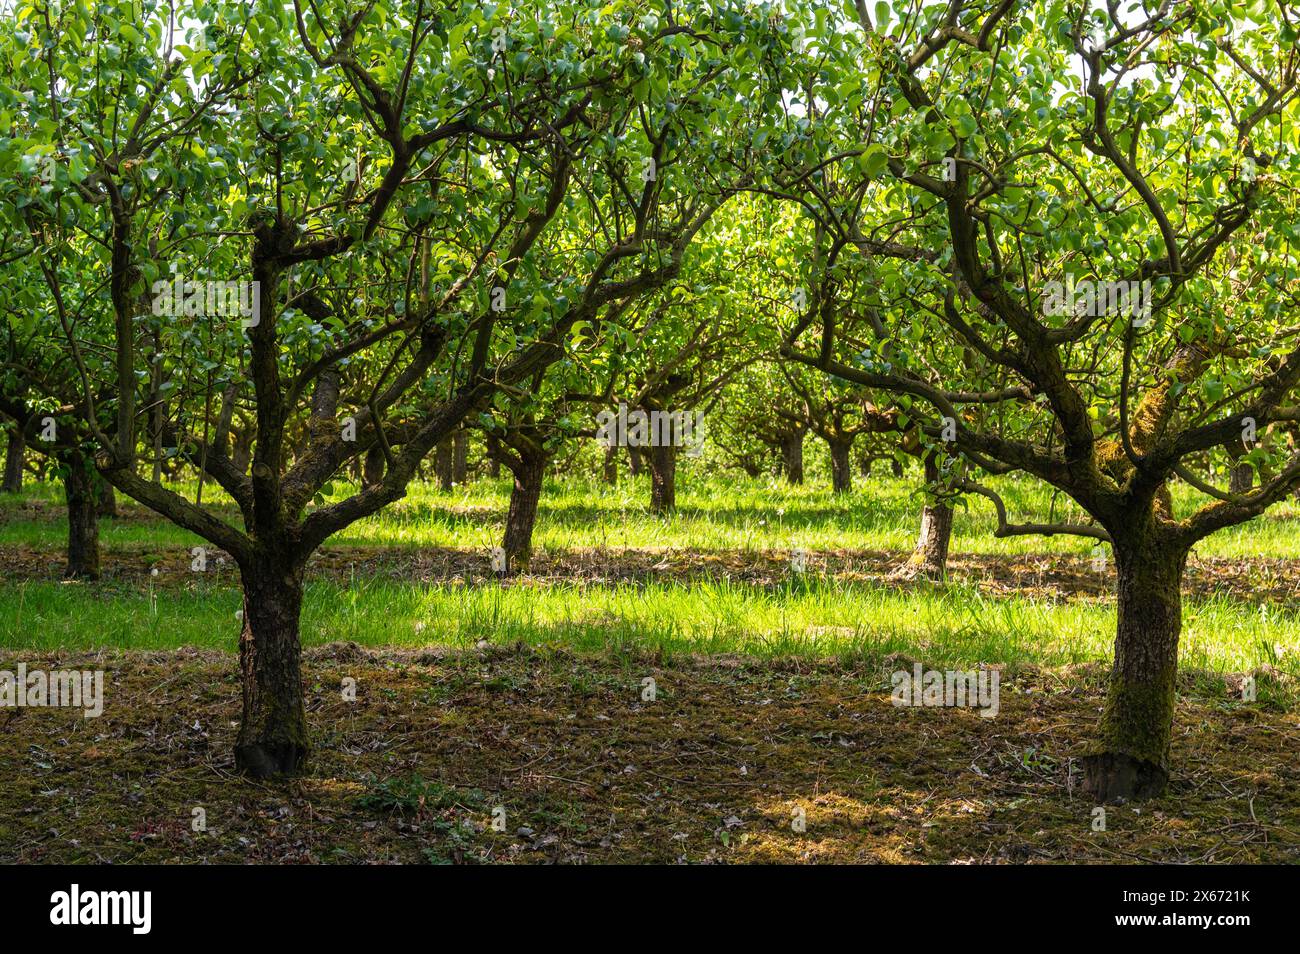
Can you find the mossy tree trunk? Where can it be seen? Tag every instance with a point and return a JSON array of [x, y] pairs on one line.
[[1131, 758], [273, 731], [83, 519]]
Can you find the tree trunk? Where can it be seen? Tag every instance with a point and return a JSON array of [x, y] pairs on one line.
[[372, 467], [442, 467], [610, 466], [1241, 476], [14, 453], [931, 555], [1242, 479], [459, 457], [273, 732], [896, 467], [242, 455], [792, 458], [841, 471], [83, 522], [663, 478], [1131, 760], [527, 491], [636, 461], [106, 500]]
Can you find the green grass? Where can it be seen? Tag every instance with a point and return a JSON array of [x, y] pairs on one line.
[[951, 624], [735, 514], [821, 616]]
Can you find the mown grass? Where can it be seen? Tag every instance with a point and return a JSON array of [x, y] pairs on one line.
[[719, 514], [957, 623], [954, 624]]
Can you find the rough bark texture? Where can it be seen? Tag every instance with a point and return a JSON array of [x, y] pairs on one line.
[[932, 544], [14, 454], [663, 478], [792, 458], [841, 468], [636, 461], [518, 541], [931, 555], [83, 522], [1131, 760], [273, 733]]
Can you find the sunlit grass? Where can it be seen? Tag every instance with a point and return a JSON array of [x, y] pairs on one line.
[[956, 624], [735, 514], [953, 624]]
